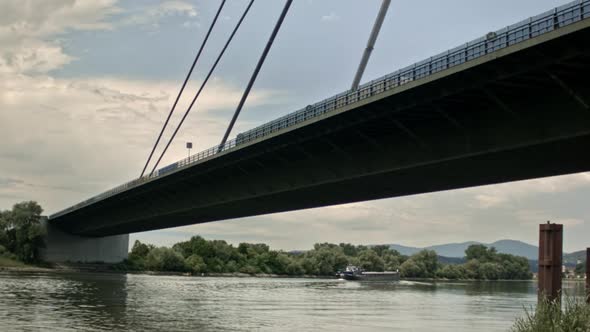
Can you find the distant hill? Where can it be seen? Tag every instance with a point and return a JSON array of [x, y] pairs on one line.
[[452, 249], [404, 250], [450, 260], [457, 250], [574, 257], [518, 248]]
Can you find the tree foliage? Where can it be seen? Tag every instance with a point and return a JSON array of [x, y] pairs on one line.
[[423, 264], [198, 255], [165, 259], [487, 264], [21, 232]]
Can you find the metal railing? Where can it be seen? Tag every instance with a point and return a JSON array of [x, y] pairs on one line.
[[493, 41]]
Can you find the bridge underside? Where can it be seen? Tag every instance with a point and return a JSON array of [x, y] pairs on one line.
[[519, 114]]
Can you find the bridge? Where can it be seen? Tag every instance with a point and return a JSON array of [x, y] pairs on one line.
[[511, 105]]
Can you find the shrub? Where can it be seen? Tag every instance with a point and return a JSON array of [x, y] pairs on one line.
[[196, 264], [165, 259], [411, 269], [549, 316]]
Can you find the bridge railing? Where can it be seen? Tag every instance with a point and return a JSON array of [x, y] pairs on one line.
[[492, 42]]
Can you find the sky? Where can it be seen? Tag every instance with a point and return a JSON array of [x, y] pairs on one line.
[[85, 87]]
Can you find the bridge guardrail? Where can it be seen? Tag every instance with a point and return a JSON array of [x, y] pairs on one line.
[[537, 25]]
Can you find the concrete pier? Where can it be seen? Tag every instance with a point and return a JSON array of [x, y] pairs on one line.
[[61, 247], [550, 259]]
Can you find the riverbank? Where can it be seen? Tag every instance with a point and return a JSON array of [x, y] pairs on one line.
[[11, 265], [16, 266], [6, 262], [450, 280]]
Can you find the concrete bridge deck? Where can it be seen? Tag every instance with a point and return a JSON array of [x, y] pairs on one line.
[[515, 105]]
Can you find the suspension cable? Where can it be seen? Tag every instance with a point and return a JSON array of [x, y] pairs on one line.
[[183, 86], [203, 84], [255, 74]]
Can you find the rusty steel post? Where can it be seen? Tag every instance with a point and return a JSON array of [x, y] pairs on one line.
[[588, 275], [550, 256]]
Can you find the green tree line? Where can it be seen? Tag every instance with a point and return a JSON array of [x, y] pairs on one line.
[[21, 238], [325, 259], [487, 264]]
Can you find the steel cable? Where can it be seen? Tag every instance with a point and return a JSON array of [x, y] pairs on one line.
[[255, 74], [183, 86], [203, 84]]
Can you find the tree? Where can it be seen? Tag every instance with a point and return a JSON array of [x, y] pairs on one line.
[[349, 249], [490, 271], [196, 245], [325, 259], [411, 269], [370, 261], [472, 269], [138, 255], [22, 231], [391, 260], [514, 267], [451, 271], [165, 259], [429, 262], [140, 250], [196, 264], [295, 269], [3, 227], [477, 251], [380, 249], [481, 253]]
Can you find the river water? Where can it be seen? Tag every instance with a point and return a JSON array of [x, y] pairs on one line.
[[118, 302]]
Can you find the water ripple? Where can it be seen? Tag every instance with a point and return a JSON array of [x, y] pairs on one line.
[[114, 302]]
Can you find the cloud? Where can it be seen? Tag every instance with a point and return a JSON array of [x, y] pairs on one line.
[[26, 26], [177, 8], [408, 220], [81, 136], [33, 19], [330, 17], [33, 56], [9, 182], [151, 17], [509, 193], [536, 216], [92, 133], [191, 24]]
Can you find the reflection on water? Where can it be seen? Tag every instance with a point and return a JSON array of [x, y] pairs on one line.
[[64, 302], [112, 302]]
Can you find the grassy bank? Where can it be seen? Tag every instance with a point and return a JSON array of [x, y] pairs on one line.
[[7, 262], [573, 315]]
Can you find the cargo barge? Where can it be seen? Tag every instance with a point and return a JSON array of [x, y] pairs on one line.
[[356, 273]]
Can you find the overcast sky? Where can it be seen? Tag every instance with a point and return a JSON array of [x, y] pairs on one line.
[[85, 86]]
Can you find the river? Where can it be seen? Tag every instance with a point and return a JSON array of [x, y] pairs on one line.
[[119, 302]]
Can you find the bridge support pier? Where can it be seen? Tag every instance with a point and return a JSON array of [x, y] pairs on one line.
[[550, 257], [61, 247]]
